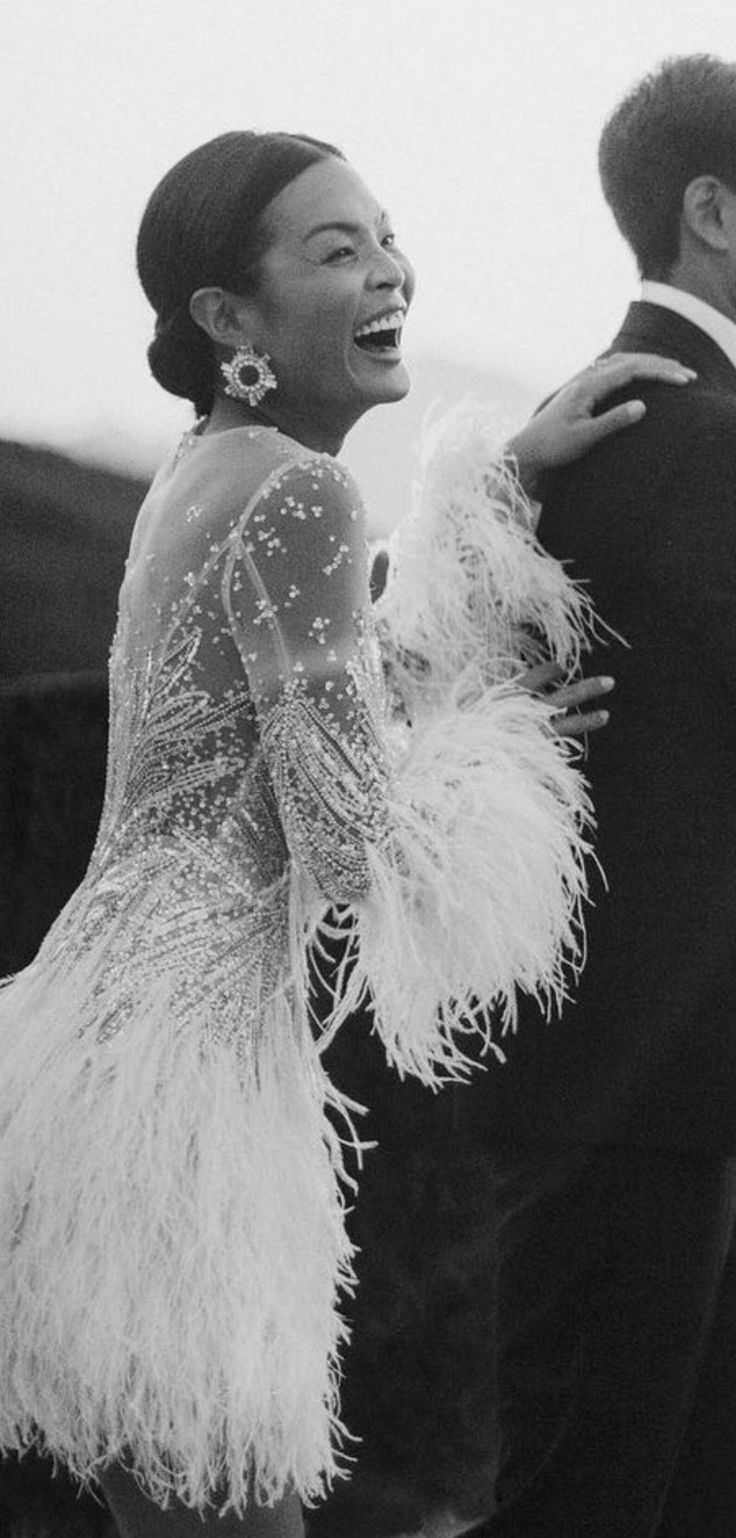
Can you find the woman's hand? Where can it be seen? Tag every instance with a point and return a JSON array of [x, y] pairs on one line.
[[575, 716], [566, 428]]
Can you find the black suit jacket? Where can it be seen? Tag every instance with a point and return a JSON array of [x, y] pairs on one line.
[[645, 1052]]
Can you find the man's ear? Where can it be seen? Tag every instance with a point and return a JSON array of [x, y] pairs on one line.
[[703, 207], [222, 315]]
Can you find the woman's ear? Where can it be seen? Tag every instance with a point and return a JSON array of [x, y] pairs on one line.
[[223, 316]]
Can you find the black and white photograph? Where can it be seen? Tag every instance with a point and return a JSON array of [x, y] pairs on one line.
[[368, 769]]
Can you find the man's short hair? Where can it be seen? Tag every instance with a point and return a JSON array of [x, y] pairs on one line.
[[678, 123]]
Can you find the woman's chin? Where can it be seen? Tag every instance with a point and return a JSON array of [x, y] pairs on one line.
[[393, 385]]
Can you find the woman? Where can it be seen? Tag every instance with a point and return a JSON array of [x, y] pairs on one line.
[[172, 1239]]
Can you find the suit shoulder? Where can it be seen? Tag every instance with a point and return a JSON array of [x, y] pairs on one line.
[[701, 399], [683, 426]]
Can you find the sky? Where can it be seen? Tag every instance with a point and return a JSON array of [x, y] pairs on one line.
[[474, 121]]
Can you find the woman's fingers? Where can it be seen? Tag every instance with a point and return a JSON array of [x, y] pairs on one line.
[[620, 368], [614, 373], [579, 693], [609, 375], [571, 718], [574, 721], [575, 419], [576, 725], [595, 429], [537, 679]]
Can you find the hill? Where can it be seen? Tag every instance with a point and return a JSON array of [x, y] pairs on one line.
[[65, 529]]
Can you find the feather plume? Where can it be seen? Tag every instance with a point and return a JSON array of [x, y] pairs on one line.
[[478, 893], [467, 575], [172, 1240]]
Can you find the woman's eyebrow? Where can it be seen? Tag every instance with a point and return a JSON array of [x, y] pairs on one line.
[[347, 226], [334, 224]]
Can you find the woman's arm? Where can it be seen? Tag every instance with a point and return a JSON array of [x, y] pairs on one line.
[[295, 592], [469, 588], [458, 844], [469, 585]]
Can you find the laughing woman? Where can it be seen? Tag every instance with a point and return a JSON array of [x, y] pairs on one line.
[[172, 1239]]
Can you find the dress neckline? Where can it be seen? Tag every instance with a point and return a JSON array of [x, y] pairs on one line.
[[196, 434]]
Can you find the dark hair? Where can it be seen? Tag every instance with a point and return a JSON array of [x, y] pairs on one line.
[[203, 225], [678, 123]]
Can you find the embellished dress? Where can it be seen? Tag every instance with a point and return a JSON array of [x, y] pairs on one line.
[[172, 1181]]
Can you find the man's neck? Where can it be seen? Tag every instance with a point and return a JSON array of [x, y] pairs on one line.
[[706, 285], [721, 328]]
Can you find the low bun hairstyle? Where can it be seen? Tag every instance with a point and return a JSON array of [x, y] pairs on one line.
[[203, 227], [180, 359]]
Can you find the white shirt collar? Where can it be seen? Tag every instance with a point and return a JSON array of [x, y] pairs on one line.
[[712, 322]]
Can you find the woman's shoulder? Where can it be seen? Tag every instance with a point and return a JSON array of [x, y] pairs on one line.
[[219, 482], [248, 461], [284, 482], [301, 472]]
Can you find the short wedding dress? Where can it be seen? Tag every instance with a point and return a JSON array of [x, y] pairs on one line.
[[173, 1170]]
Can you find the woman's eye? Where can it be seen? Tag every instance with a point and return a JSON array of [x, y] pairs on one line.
[[389, 241], [340, 253]]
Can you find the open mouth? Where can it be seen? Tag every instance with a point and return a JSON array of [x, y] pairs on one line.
[[381, 335]]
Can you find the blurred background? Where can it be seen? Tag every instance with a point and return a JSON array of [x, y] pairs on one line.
[[474, 121]]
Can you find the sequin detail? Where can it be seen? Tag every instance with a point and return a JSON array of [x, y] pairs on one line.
[[246, 709]]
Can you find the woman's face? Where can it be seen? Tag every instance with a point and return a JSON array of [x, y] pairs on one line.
[[333, 293]]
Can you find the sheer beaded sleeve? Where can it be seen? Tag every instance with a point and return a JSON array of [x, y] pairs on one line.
[[295, 590]]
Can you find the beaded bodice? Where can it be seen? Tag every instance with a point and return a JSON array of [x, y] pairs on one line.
[[245, 697]]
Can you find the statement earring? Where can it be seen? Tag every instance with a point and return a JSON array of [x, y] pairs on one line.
[[248, 375]]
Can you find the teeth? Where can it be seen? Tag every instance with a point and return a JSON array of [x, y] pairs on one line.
[[392, 322]]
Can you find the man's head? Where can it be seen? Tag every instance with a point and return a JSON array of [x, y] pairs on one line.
[[667, 161]]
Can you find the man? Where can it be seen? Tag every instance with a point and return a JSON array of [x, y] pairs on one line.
[[612, 1131]]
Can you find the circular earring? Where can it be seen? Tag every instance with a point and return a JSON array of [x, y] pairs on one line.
[[247, 362]]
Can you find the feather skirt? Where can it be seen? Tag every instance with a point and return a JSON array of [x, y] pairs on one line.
[[171, 1243]]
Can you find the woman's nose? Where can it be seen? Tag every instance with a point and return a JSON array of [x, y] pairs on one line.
[[388, 271]]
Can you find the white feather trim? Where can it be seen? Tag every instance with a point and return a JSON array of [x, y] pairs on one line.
[[467, 574], [478, 893]]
